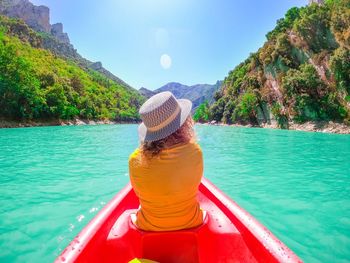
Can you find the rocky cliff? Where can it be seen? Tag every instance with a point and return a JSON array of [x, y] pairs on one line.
[[320, 2], [57, 32], [37, 17], [301, 74]]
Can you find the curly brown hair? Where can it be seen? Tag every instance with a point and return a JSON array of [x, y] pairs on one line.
[[183, 135]]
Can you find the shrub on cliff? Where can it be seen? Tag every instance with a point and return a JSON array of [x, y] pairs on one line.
[[301, 73]]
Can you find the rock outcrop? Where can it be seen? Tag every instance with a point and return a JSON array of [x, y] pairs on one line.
[[37, 17], [57, 31], [319, 2]]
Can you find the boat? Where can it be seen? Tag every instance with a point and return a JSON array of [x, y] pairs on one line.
[[228, 234]]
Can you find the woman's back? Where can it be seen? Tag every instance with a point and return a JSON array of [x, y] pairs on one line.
[[167, 186]]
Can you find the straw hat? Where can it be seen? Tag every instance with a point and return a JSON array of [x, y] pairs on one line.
[[162, 115]]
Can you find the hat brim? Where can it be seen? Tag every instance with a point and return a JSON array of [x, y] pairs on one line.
[[148, 136]]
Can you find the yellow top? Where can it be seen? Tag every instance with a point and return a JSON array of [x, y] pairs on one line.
[[167, 187]]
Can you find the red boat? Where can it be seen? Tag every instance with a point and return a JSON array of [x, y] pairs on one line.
[[228, 234]]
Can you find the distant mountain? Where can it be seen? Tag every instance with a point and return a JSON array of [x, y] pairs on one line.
[[146, 92], [196, 93], [53, 37]]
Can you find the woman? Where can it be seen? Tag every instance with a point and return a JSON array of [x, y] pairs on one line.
[[166, 170]]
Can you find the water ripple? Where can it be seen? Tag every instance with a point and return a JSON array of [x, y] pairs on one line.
[[53, 180]]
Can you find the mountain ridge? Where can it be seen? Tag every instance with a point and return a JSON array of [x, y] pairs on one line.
[[197, 93]]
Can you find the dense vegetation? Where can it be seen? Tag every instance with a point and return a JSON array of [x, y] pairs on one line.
[[301, 73], [35, 84], [202, 112]]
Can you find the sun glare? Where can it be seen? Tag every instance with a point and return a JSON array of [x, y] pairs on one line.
[[165, 61]]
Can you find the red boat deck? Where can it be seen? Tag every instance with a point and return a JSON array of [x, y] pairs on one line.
[[228, 234]]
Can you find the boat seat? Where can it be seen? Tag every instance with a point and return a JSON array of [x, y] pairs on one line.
[[200, 244]]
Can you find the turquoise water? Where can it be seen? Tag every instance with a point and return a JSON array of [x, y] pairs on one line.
[[53, 180]]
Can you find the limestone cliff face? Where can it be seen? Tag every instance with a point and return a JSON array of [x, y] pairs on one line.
[[57, 31], [320, 2], [37, 17], [300, 74]]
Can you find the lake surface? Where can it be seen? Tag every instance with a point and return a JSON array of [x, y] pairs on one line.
[[53, 180]]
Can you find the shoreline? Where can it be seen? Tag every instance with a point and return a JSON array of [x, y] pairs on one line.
[[310, 126], [323, 127], [76, 122]]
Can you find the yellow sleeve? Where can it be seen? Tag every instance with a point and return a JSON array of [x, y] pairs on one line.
[[132, 164]]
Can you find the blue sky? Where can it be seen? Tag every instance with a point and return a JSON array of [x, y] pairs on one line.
[[199, 41]]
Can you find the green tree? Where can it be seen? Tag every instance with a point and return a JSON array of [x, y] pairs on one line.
[[35, 84], [202, 112], [340, 65], [217, 110], [247, 109], [309, 95], [21, 97]]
